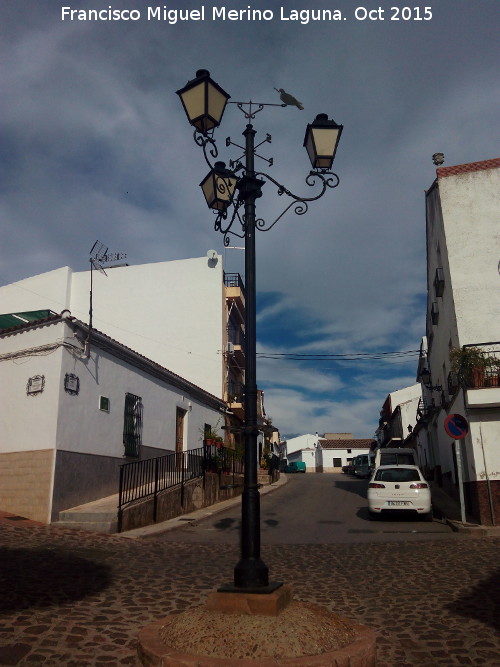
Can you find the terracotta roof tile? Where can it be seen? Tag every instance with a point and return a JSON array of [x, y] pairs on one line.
[[362, 443], [442, 172]]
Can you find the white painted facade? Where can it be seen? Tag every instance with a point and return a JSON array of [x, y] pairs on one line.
[[463, 241], [398, 416], [60, 449], [325, 455], [171, 312], [334, 459]]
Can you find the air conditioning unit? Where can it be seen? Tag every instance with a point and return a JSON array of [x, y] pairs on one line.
[[230, 348]]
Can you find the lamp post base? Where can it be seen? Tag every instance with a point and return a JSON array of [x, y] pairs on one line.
[[256, 590]]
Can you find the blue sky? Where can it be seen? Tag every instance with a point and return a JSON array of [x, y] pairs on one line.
[[94, 144]]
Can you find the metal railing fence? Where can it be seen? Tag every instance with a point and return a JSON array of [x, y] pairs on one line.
[[149, 477]]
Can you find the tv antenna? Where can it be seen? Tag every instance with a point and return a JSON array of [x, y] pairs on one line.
[[98, 256]]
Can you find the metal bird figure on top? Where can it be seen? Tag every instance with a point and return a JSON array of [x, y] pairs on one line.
[[289, 100]]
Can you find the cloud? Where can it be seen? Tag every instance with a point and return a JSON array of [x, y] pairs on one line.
[[95, 145]]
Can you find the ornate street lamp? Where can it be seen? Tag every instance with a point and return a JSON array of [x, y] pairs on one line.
[[426, 378], [204, 101], [218, 187], [321, 141], [233, 198]]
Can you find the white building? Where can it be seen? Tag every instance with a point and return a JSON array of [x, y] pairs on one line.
[[338, 452], [304, 448], [171, 312], [69, 418], [463, 317], [329, 453], [398, 416]]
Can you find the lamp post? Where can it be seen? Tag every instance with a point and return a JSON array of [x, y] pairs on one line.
[[233, 199], [425, 376]]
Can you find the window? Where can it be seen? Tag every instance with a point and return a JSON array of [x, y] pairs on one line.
[[104, 403], [439, 282], [132, 425], [434, 312], [337, 463], [397, 475]]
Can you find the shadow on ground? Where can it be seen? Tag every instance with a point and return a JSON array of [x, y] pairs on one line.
[[482, 602], [46, 577], [357, 486], [235, 524]]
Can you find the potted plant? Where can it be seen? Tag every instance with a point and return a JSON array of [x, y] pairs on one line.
[[211, 436], [471, 364]]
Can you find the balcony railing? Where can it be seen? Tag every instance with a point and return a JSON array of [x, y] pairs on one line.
[[425, 409], [235, 392], [236, 336], [234, 280], [480, 366]]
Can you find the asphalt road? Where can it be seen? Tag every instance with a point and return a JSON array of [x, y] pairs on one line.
[[312, 509]]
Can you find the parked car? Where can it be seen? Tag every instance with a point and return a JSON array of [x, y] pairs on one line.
[[296, 466], [348, 469], [399, 488], [389, 456], [363, 466]]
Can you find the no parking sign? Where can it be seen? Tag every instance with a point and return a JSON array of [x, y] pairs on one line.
[[456, 426]]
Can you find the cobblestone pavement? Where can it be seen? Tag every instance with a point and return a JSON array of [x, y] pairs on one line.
[[72, 599]]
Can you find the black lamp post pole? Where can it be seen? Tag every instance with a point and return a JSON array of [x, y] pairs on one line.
[[250, 572], [204, 102]]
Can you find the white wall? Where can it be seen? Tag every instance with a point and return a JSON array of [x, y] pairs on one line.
[[463, 238], [171, 312], [74, 423], [470, 203], [29, 422], [343, 454], [51, 290], [301, 442]]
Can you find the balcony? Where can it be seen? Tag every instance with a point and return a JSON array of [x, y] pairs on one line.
[[425, 410], [478, 372], [235, 290], [236, 345], [235, 398]]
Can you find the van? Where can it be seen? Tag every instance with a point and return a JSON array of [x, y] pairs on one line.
[[363, 465], [393, 456], [296, 466]]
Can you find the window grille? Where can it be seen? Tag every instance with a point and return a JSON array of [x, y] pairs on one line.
[[132, 425]]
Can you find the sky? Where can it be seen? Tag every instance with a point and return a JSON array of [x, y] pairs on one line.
[[94, 144]]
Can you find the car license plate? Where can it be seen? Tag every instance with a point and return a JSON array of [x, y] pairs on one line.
[[397, 503]]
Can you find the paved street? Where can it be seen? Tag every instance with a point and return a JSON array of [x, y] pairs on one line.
[[72, 599], [313, 509]]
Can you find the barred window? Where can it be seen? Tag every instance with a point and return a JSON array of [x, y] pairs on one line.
[[132, 425]]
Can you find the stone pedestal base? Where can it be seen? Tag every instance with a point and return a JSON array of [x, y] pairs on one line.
[[302, 635], [257, 604]]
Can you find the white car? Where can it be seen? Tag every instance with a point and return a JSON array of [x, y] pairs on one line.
[[399, 488]]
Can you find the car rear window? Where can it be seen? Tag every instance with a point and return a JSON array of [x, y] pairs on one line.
[[395, 459], [397, 475]]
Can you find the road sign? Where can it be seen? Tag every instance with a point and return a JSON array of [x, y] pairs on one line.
[[456, 426]]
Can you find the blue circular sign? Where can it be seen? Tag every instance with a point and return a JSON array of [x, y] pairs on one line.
[[456, 426]]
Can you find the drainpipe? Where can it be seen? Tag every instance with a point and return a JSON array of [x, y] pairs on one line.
[[488, 482]]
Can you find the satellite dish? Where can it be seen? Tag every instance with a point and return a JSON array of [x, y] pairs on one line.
[[212, 254]]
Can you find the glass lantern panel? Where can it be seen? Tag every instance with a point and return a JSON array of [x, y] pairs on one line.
[[216, 104], [208, 190], [194, 102], [310, 148], [225, 188], [325, 140]]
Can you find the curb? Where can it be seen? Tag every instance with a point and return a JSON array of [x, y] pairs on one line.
[[473, 529], [188, 519]]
